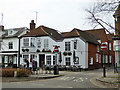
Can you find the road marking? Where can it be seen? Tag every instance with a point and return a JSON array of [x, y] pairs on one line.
[[92, 81]]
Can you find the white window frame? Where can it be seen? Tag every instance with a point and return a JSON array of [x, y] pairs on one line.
[[46, 43], [67, 61], [26, 42], [48, 60], [67, 46], [97, 57], [110, 46], [32, 42], [39, 43], [25, 56], [110, 59], [32, 56], [106, 59], [10, 45], [98, 48], [91, 61]]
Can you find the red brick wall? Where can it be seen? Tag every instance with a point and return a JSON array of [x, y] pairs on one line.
[[92, 50]]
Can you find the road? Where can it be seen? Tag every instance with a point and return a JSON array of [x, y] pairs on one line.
[[83, 79]]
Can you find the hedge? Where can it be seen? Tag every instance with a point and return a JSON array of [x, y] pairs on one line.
[[9, 72]]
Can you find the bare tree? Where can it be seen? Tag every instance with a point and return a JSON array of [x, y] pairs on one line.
[[99, 14]]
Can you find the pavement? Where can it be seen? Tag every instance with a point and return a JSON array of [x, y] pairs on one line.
[[112, 79]]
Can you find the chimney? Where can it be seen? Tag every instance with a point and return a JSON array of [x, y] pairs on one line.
[[32, 25], [1, 27]]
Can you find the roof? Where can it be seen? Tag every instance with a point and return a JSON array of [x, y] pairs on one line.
[[19, 32], [117, 12], [44, 31], [97, 33], [84, 35]]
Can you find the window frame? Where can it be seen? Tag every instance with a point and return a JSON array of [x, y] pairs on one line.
[[48, 60], [67, 46], [68, 61], [26, 42], [10, 45], [91, 61]]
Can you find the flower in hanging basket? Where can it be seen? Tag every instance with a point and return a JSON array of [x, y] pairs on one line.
[[65, 53], [43, 50], [38, 50], [27, 50], [69, 53], [23, 50]]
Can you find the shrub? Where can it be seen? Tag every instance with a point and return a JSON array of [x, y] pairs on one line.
[[9, 72], [23, 73]]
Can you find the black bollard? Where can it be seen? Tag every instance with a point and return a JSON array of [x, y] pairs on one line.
[[104, 71]]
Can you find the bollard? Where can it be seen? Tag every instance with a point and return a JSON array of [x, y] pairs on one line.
[[15, 73], [104, 71]]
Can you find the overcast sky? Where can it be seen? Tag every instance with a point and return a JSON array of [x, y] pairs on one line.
[[62, 15]]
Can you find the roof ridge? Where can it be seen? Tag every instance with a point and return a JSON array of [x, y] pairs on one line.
[[43, 30]]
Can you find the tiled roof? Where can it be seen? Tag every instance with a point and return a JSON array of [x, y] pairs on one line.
[[97, 33], [45, 31], [84, 35], [19, 32]]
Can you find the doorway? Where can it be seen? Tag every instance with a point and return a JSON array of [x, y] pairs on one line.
[[41, 60]]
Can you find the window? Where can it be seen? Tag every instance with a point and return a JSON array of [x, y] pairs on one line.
[[25, 57], [48, 60], [39, 43], [109, 46], [110, 59], [54, 60], [46, 43], [75, 44], [32, 42], [91, 60], [32, 57], [26, 42], [67, 59], [106, 59], [67, 46], [97, 57], [10, 45], [98, 48]]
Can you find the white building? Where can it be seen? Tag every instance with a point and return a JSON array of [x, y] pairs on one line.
[[39, 44], [9, 45]]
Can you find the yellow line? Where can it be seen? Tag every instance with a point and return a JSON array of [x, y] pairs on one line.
[[92, 81]]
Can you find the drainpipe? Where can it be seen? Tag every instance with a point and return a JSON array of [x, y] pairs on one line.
[[19, 52]]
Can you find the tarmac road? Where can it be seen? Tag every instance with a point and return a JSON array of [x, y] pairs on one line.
[[83, 79]]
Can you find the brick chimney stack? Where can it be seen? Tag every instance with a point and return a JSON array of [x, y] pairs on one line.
[[1, 27], [32, 25]]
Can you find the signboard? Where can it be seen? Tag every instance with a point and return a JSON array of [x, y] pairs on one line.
[[56, 49], [103, 46]]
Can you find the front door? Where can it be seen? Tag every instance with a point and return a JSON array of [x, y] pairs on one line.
[[41, 60]]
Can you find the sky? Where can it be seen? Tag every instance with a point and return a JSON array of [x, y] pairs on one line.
[[62, 15]]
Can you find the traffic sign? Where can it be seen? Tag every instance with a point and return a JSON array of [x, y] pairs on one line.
[[56, 49], [103, 46]]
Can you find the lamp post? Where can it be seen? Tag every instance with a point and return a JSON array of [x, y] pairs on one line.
[[116, 38], [103, 48]]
